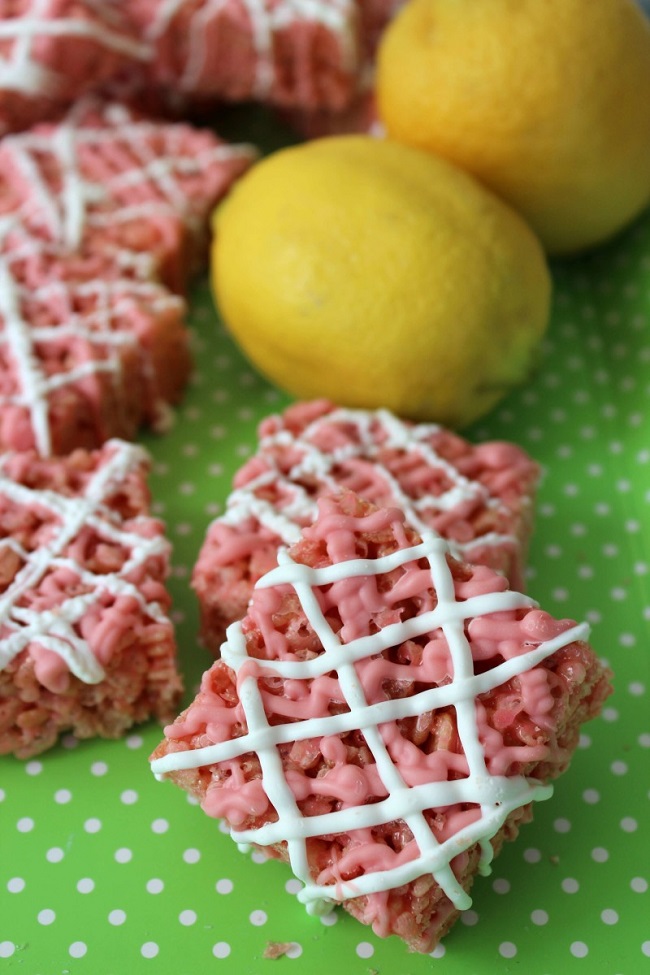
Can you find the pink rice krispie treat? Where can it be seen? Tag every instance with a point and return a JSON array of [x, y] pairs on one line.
[[278, 51], [53, 51], [105, 179], [87, 352], [86, 644], [478, 497], [101, 214], [383, 719]]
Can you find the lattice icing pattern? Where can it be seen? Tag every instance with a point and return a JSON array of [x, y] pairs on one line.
[[478, 497], [101, 215], [311, 729], [68, 587]]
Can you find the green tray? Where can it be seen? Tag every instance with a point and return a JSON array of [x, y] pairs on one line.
[[104, 871]]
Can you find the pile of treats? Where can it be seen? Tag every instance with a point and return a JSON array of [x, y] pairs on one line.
[[384, 705]]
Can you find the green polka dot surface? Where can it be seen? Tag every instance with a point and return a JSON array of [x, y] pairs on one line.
[[104, 870]]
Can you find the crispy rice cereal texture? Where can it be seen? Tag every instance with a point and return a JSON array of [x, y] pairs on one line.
[[478, 497], [86, 644], [385, 724], [102, 217]]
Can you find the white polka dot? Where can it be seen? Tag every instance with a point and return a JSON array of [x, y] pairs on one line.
[[192, 856], [584, 741], [501, 885], [123, 855], [531, 855], [77, 949], [637, 689], [7, 949], [365, 949], [221, 949], [562, 825], [34, 768], [645, 948], [570, 885], [259, 856], [608, 916], [539, 917], [129, 797], [225, 886], [619, 767], [294, 950], [85, 885], [62, 796], [149, 949], [644, 740], [257, 918], [134, 741], [46, 916], [187, 918], [99, 768], [629, 825], [599, 854], [579, 949], [117, 917], [438, 952], [469, 918], [329, 919], [16, 885], [155, 886], [160, 826], [93, 825], [54, 854], [293, 886], [507, 949], [25, 825], [591, 796], [639, 885]]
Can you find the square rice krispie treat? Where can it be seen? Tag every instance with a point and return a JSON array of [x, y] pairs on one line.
[[103, 218], [383, 719], [86, 643], [479, 497], [104, 179], [87, 351], [54, 51], [281, 52]]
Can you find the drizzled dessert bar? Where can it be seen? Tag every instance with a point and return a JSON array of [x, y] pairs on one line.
[[477, 497], [103, 215], [86, 643], [383, 719]]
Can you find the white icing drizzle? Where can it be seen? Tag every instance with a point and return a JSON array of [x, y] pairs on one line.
[[55, 629], [285, 521], [497, 796], [53, 225]]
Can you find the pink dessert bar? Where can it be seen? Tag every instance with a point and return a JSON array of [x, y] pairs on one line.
[[86, 644], [478, 497], [87, 352], [383, 719], [279, 51], [101, 214], [105, 179], [53, 51]]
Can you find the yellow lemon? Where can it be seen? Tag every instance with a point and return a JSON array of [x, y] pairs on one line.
[[547, 102], [377, 275]]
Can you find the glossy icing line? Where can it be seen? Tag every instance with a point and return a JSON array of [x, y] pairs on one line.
[[53, 622], [496, 796]]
